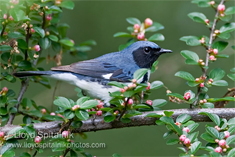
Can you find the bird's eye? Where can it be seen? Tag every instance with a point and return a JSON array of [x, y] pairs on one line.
[[146, 49]]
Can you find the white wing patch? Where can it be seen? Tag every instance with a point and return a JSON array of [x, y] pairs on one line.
[[107, 76]]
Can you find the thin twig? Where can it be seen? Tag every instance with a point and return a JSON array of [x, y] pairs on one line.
[[66, 151], [35, 153], [207, 54], [124, 110]]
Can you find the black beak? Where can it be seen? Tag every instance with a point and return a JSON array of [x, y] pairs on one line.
[[165, 51]]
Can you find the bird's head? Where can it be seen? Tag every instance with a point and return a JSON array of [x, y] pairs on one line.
[[145, 53]]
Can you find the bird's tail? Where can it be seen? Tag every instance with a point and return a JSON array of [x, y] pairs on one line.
[[33, 73]]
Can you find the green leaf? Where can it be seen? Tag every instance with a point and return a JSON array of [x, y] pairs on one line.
[[232, 70], [15, 35], [222, 56], [168, 113], [221, 99], [183, 118], [185, 75], [39, 31], [155, 27], [156, 85], [62, 102], [217, 74], [195, 146], [88, 43], [176, 95], [15, 132], [207, 137], [230, 10], [89, 104], [159, 102], [220, 45], [81, 114], [231, 129], [68, 114], [167, 134], [231, 153], [197, 17], [24, 65], [82, 100], [224, 35], [213, 132], [109, 118], [220, 83], [170, 121], [116, 155], [22, 44], [125, 120], [67, 4], [45, 43], [227, 28], [153, 115], [231, 121], [18, 15], [5, 48], [157, 37], [8, 153], [208, 105], [215, 118], [201, 3], [192, 136], [66, 42], [133, 20], [116, 84], [154, 66], [53, 38], [231, 76], [172, 141], [230, 139], [192, 127], [191, 40], [122, 34], [190, 56], [140, 73]]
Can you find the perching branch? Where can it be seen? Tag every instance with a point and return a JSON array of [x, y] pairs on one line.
[[230, 93], [140, 120]]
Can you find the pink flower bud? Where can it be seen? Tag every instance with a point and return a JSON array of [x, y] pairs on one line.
[[116, 112], [207, 21], [32, 30], [43, 111], [11, 18], [218, 149], [182, 138], [215, 51], [186, 129], [149, 102], [48, 17], [5, 16], [36, 48], [14, 1], [216, 140], [217, 128], [197, 79], [149, 85], [1, 134], [201, 102], [125, 87], [187, 141], [227, 134], [201, 85], [140, 36], [122, 90], [72, 41], [65, 134], [187, 96], [130, 102], [222, 143], [133, 85], [134, 80], [221, 7], [52, 113], [204, 101], [211, 80], [60, 115], [148, 22], [100, 105], [99, 113], [202, 40], [136, 27], [212, 2], [212, 58], [5, 89], [37, 139]]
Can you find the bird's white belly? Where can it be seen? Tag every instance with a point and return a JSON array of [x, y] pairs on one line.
[[93, 89]]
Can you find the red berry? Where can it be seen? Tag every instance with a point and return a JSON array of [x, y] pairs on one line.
[[37, 139], [149, 102], [207, 21], [65, 134], [48, 17]]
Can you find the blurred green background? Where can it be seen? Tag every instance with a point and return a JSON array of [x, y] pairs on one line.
[[99, 20]]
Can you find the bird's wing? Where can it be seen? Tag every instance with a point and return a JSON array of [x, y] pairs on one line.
[[96, 69]]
